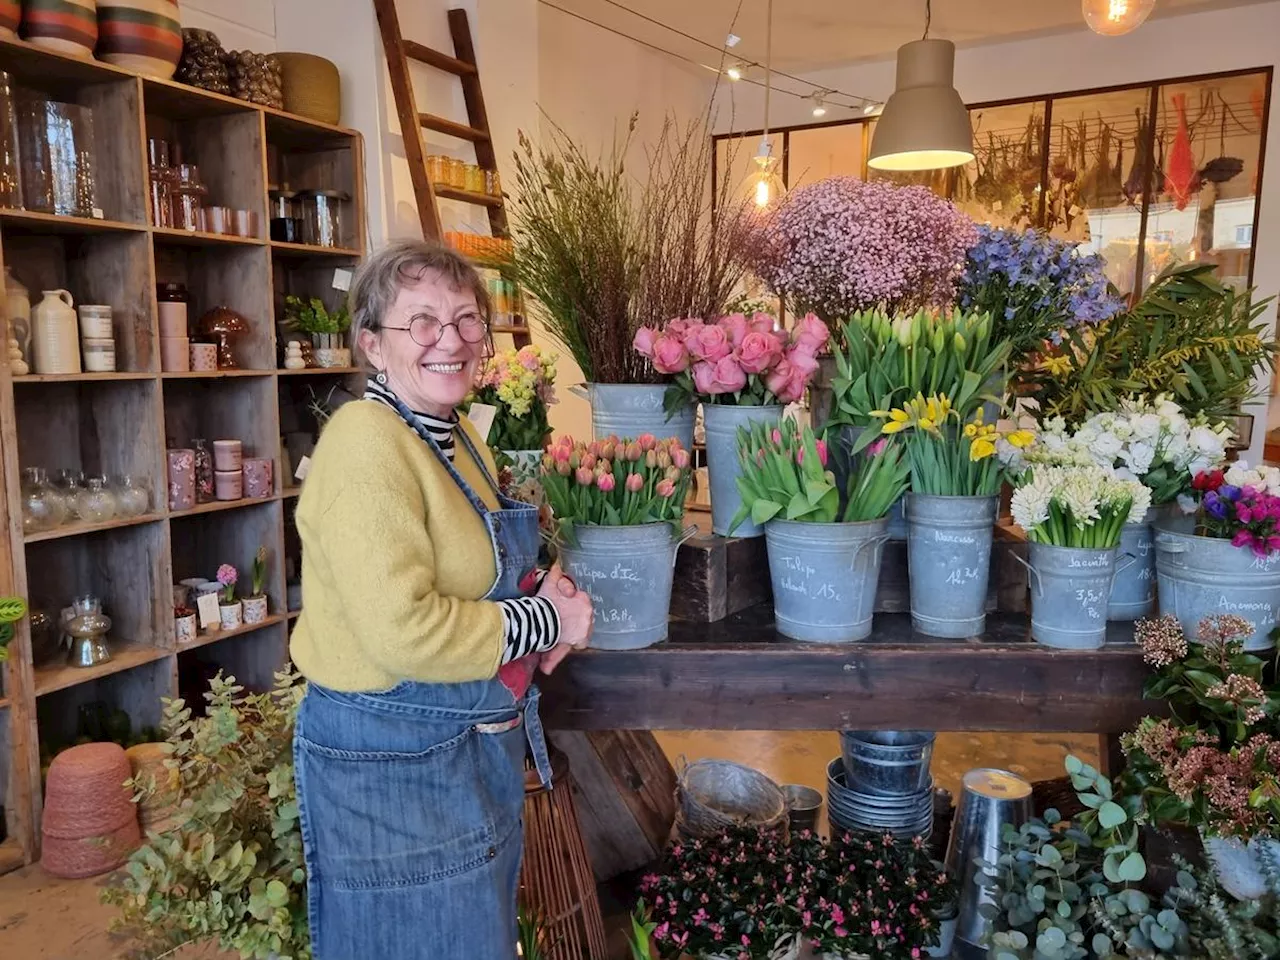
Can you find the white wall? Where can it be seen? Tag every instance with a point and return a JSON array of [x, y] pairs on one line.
[[239, 24], [1218, 41]]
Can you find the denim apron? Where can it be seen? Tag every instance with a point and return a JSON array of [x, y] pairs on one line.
[[410, 799]]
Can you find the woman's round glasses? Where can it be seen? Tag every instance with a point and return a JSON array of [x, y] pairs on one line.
[[427, 331]]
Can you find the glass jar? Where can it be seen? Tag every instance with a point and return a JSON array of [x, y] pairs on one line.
[[455, 173], [10, 175], [325, 212], [96, 503], [286, 216], [162, 178], [203, 471], [187, 197], [475, 179], [171, 305], [132, 495], [436, 168], [43, 507], [492, 183]]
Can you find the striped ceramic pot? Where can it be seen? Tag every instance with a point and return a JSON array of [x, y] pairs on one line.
[[67, 26], [141, 35], [10, 17]]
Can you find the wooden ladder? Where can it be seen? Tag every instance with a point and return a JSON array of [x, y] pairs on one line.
[[462, 64]]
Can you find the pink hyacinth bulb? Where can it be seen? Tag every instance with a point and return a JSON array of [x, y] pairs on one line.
[[227, 575], [634, 483]]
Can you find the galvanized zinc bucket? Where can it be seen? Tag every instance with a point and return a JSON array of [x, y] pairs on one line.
[[1133, 592], [889, 763], [949, 555], [627, 571], [722, 423], [824, 578], [1071, 586], [1201, 576], [631, 409]]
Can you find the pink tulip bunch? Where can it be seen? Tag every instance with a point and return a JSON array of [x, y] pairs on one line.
[[616, 481], [736, 359]]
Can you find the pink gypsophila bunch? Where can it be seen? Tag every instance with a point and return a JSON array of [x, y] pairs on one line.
[[844, 244], [735, 359]]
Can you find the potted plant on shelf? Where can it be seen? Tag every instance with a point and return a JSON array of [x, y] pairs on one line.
[[603, 258], [328, 330], [230, 613], [184, 624], [519, 385], [744, 372], [255, 605], [617, 506], [1213, 767], [1073, 516], [843, 245], [1154, 442], [824, 559], [1230, 562], [951, 510]]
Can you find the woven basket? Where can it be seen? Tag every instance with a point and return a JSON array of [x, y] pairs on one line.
[[312, 86], [1057, 794], [715, 795]]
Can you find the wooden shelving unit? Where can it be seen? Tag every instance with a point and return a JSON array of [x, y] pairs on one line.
[[122, 423]]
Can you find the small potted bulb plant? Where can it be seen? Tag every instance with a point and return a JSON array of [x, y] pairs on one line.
[[230, 612], [255, 605], [184, 624]]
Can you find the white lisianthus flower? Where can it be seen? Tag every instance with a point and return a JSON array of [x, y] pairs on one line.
[[1139, 456], [1186, 503], [1146, 426], [1106, 447]]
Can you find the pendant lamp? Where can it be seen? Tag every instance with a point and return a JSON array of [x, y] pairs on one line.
[[764, 185], [924, 125], [1111, 18]]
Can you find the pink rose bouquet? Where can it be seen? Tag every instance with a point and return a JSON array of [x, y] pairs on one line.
[[734, 360]]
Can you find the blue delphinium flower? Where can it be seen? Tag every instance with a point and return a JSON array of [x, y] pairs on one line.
[[1038, 284]]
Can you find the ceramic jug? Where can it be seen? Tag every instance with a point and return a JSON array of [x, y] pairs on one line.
[[55, 339], [17, 310]]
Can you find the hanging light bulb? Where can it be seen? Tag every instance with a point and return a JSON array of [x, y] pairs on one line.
[[819, 108], [1111, 18], [765, 182], [924, 125], [735, 72], [873, 109]]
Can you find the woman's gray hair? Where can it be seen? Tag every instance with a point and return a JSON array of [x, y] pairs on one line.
[[384, 274]]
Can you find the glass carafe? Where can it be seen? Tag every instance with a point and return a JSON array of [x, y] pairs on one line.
[[95, 503], [87, 629], [133, 496], [42, 506]]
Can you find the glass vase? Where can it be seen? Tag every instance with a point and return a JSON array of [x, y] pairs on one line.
[[42, 506], [95, 503], [133, 496]]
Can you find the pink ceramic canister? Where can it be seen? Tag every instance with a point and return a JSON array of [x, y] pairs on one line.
[[228, 455], [182, 479], [228, 485], [257, 477], [175, 354], [204, 356], [171, 308]]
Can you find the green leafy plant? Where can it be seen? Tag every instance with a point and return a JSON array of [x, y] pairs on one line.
[[258, 572], [1189, 335], [232, 871], [885, 361], [1222, 927], [784, 475], [12, 609], [640, 937], [531, 935], [311, 316]]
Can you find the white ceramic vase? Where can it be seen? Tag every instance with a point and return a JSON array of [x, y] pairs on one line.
[[230, 614], [255, 609], [184, 628]]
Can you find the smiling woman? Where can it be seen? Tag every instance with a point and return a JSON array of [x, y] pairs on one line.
[[425, 619]]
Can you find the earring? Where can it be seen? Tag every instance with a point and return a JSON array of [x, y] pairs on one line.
[[381, 379]]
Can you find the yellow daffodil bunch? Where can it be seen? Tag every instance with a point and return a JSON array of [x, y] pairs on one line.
[[949, 457]]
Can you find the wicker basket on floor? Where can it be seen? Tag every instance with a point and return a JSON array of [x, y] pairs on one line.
[[556, 882], [714, 795], [1057, 794]]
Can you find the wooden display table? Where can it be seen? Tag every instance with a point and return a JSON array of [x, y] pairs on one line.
[[739, 674]]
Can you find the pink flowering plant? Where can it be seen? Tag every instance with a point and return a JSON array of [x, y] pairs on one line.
[[784, 475], [1214, 763], [734, 360], [227, 576], [723, 896], [520, 385], [863, 895], [1246, 511], [842, 244], [615, 482]]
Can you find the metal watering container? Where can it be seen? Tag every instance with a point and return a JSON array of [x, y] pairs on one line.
[[1072, 588], [889, 763], [627, 571], [722, 423], [949, 555], [824, 577], [630, 409], [1198, 577]]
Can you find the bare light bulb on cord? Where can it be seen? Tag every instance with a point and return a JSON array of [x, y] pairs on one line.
[[765, 185], [1112, 18]]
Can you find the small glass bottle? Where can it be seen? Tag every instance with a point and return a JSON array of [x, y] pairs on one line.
[[95, 503], [203, 471]]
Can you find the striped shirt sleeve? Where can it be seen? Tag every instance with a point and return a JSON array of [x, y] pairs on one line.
[[529, 625]]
